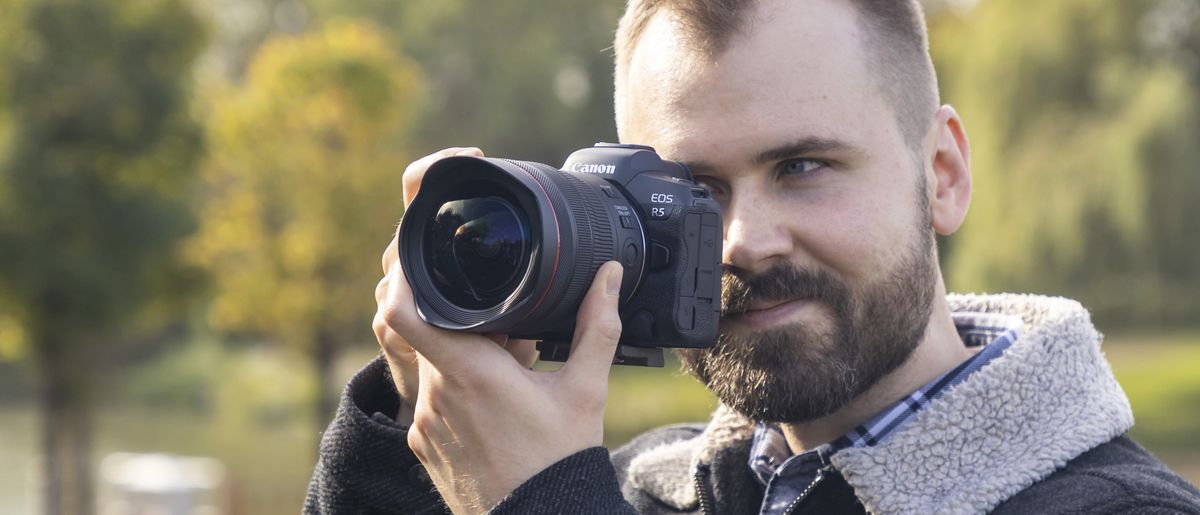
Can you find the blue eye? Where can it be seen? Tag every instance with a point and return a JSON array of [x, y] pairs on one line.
[[801, 166]]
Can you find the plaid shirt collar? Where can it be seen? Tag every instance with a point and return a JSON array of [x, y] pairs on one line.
[[991, 333]]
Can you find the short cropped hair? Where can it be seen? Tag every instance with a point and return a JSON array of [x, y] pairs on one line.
[[897, 46]]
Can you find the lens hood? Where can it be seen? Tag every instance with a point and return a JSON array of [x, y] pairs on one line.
[[497, 245]]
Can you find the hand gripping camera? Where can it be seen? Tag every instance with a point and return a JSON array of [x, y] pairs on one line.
[[501, 246]]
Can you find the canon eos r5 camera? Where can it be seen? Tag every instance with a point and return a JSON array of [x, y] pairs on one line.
[[501, 246]]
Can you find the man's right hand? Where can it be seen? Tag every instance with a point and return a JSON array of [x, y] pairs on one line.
[[402, 359]]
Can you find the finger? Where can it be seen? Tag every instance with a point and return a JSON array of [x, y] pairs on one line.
[[394, 346], [424, 416], [525, 351], [381, 290], [411, 181], [440, 347], [390, 252], [426, 374], [597, 328]]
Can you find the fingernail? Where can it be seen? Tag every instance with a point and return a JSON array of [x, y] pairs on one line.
[[614, 281]]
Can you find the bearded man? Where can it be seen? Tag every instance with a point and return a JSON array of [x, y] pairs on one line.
[[849, 380]]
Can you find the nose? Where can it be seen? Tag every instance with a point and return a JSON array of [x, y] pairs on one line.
[[756, 234]]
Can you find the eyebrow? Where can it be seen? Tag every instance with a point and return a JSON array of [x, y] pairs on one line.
[[803, 146]]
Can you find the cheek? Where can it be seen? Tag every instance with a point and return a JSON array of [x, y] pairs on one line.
[[856, 232]]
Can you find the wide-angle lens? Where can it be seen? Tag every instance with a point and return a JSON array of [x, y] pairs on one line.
[[478, 249]]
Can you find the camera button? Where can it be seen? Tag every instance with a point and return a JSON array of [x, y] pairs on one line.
[[642, 325], [627, 221], [660, 256], [704, 284], [686, 316], [691, 239], [609, 191], [630, 257], [629, 146]]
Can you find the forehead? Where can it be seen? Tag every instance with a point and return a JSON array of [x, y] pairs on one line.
[[796, 69]]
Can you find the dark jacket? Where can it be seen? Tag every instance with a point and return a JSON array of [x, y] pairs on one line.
[[1039, 430]]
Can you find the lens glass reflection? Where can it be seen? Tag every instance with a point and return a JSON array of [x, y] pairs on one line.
[[477, 249]]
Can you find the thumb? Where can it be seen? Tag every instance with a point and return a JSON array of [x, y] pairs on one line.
[[597, 327]]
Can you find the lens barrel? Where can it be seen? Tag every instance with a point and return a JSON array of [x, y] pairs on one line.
[[505, 246]]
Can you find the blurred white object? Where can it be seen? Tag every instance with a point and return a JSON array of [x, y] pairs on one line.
[[161, 484]]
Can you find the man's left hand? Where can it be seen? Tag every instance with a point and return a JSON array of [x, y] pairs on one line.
[[484, 424]]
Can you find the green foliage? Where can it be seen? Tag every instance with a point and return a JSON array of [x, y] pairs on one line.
[[184, 377], [1158, 373], [530, 80], [640, 399], [1083, 137], [100, 153], [98, 156], [302, 185]]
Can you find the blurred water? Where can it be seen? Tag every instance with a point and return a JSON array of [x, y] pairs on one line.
[[267, 461], [267, 467], [18, 446]]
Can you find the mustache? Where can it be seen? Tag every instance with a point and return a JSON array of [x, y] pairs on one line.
[[780, 283]]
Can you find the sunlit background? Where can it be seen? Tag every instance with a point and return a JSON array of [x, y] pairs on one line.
[[194, 196]]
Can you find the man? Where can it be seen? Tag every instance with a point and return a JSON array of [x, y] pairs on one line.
[[849, 380]]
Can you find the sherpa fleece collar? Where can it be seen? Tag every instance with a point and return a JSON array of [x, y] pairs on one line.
[[1048, 399]]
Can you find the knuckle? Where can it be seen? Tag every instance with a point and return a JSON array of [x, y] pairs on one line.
[[420, 425], [394, 346], [395, 315], [432, 392], [417, 168], [609, 328], [389, 255], [417, 440], [380, 328], [434, 402], [381, 290], [412, 180], [590, 398]]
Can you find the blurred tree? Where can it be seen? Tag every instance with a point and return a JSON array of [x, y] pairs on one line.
[[93, 181], [303, 189], [529, 80], [1084, 119], [240, 27]]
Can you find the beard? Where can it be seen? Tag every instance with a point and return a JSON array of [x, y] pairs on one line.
[[802, 372]]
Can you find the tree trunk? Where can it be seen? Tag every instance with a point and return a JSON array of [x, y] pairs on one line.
[[67, 482], [327, 398]]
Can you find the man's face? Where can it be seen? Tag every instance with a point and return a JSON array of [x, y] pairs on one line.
[[829, 266]]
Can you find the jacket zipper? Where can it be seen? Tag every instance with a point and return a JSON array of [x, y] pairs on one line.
[[707, 504], [792, 507]]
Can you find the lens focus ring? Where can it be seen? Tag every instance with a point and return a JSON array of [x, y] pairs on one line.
[[593, 229]]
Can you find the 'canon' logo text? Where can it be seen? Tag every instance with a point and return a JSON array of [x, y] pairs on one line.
[[589, 168]]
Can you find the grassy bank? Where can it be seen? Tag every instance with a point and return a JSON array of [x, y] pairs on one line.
[[268, 454]]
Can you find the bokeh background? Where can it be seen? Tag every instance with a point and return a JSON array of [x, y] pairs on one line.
[[194, 195]]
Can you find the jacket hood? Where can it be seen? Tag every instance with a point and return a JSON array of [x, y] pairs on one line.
[[1049, 398]]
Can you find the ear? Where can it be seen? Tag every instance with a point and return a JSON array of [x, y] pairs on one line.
[[949, 174]]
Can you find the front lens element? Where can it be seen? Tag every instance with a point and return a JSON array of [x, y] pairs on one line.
[[478, 249]]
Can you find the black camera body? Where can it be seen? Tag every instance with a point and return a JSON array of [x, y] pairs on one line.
[[501, 246]]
